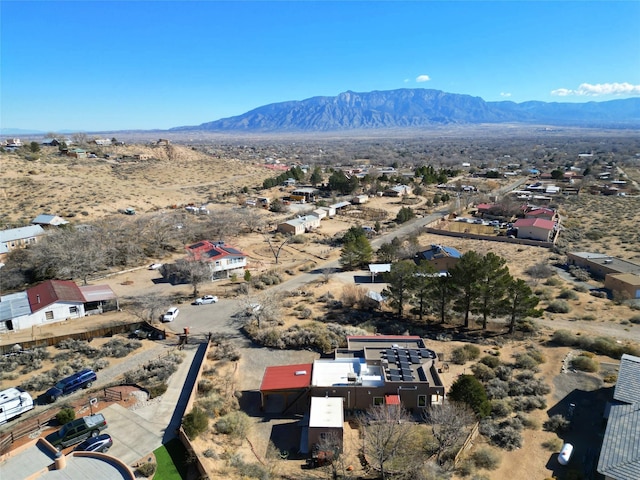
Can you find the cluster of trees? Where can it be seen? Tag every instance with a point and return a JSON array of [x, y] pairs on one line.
[[294, 172], [430, 175], [477, 284]]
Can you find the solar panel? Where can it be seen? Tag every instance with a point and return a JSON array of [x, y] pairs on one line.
[[232, 251], [395, 378]]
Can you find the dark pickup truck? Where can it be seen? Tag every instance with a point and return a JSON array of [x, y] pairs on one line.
[[77, 430]]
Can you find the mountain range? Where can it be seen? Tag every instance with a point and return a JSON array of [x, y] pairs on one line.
[[419, 108]]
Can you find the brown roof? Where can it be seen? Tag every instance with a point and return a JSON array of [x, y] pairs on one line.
[[53, 291]]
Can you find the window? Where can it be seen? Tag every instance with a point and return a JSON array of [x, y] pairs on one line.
[[378, 400], [48, 315], [73, 310], [422, 401]]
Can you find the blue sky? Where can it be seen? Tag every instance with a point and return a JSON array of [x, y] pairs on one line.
[[110, 65]]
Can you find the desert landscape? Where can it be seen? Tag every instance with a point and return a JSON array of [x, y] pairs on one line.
[[164, 179]]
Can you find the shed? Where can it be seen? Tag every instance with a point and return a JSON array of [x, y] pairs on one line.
[[285, 381], [376, 268]]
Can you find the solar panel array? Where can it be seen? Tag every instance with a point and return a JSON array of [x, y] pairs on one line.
[[397, 362]]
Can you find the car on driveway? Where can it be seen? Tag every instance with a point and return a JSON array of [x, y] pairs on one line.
[[66, 386], [155, 266], [171, 314], [101, 444], [77, 430], [205, 300]]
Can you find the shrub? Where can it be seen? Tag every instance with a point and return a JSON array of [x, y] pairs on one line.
[[65, 415], [146, 469], [558, 306], [195, 423], [490, 361], [463, 354], [486, 458], [500, 408], [610, 378], [235, 424], [482, 372], [553, 445], [527, 403], [557, 423], [553, 282], [497, 388], [469, 390], [635, 319], [568, 295], [525, 362], [585, 364]]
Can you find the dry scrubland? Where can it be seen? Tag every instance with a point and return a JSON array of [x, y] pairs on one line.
[[88, 189]]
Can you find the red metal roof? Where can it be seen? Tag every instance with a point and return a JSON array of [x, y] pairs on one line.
[[535, 222], [542, 211], [53, 291], [284, 377], [208, 251], [384, 337], [392, 399]]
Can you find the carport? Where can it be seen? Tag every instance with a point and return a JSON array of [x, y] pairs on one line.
[[286, 380]]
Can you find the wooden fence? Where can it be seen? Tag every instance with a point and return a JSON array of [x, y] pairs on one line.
[[467, 443], [29, 427]]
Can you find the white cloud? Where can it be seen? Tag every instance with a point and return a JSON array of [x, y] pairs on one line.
[[406, 80], [422, 78], [505, 94], [589, 90]]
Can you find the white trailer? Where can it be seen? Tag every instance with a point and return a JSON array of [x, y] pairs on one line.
[[14, 402]]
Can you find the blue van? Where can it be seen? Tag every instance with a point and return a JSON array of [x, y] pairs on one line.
[[66, 386]]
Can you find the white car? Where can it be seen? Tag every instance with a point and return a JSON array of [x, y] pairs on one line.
[[171, 314], [155, 266], [205, 300]]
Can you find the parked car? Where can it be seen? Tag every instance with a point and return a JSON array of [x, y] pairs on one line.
[[205, 300], [171, 314], [155, 266], [101, 443], [77, 430], [66, 386]]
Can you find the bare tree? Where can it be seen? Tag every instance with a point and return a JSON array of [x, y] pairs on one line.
[[147, 307], [252, 219], [448, 425], [276, 249], [386, 428], [195, 272], [263, 308], [334, 461], [224, 224]]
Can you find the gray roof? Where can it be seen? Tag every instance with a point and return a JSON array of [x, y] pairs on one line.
[[14, 305], [20, 233], [620, 453], [46, 219], [613, 263]]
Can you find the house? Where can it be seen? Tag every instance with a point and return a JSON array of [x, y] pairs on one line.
[[13, 142], [360, 199], [47, 220], [307, 193], [544, 213], [441, 258], [223, 259], [601, 264], [371, 370], [398, 191], [320, 213], [289, 182], [77, 153], [623, 285], [620, 452], [20, 237], [163, 142], [331, 211], [54, 301], [535, 229], [299, 225], [102, 142]]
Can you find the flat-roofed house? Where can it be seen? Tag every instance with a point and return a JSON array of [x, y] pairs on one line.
[[299, 225], [623, 285]]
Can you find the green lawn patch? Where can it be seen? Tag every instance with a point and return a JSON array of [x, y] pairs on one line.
[[172, 461]]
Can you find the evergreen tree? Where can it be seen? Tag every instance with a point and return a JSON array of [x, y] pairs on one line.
[[468, 389], [465, 276], [356, 252], [520, 302], [401, 280], [442, 291], [422, 288], [316, 176], [493, 281]]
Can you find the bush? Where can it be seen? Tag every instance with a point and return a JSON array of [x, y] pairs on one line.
[[635, 319], [558, 306], [65, 415], [568, 295], [482, 372], [497, 388], [462, 355], [553, 445], [525, 362], [557, 423], [146, 469], [195, 423], [486, 458], [500, 408], [490, 361], [585, 364], [469, 390], [235, 424]]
